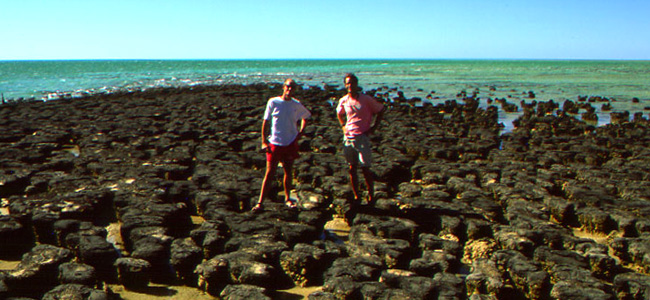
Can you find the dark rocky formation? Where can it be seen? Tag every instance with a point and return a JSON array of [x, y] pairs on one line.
[[15, 238], [133, 273], [463, 211], [77, 273], [40, 265], [507, 106], [76, 291], [244, 292]]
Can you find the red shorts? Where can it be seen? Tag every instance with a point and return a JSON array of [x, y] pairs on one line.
[[282, 153]]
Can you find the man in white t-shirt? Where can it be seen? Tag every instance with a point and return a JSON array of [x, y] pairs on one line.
[[282, 115]]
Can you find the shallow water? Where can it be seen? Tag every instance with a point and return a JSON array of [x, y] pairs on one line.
[[439, 80], [553, 79]]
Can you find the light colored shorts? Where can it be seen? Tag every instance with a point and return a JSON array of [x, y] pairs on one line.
[[357, 150]]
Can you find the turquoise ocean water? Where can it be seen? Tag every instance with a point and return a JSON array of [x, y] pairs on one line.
[[620, 81]]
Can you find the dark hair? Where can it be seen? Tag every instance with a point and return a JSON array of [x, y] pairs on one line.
[[352, 77]]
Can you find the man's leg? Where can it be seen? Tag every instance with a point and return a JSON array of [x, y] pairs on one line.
[[370, 184], [288, 179], [271, 166], [352, 157], [354, 182]]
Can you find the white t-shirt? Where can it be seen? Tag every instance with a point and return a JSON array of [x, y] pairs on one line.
[[284, 116]]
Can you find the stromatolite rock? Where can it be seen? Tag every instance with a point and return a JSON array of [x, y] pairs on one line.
[[510, 238], [239, 267], [294, 232], [433, 262], [173, 217], [76, 291], [322, 295], [243, 292], [96, 251], [509, 107], [632, 286], [485, 279], [602, 264], [343, 287], [306, 263], [133, 273], [13, 183], [156, 251], [417, 287], [395, 253], [211, 236], [596, 220], [449, 286], [269, 246], [14, 238], [185, 255], [527, 276], [389, 227], [431, 242], [569, 290], [590, 116], [357, 268], [77, 273], [632, 250], [570, 273], [303, 264], [619, 117], [39, 265]]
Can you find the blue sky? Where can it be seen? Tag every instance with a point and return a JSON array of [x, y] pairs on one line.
[[248, 29]]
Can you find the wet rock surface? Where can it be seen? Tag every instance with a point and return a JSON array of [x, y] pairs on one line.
[[555, 209]]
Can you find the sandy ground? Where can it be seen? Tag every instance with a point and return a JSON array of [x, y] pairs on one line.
[[8, 264], [158, 292], [597, 237]]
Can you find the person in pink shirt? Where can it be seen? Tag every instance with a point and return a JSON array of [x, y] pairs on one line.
[[356, 112]]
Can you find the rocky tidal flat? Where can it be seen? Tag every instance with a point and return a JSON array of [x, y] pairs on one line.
[[155, 187]]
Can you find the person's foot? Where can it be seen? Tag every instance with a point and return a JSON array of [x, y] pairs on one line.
[[371, 201], [290, 203], [257, 208]]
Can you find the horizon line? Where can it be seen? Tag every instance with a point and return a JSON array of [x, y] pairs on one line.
[[315, 59]]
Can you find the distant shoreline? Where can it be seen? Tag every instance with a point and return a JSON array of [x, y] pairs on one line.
[[328, 59]]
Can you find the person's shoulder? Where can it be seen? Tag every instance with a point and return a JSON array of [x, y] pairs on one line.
[[274, 100], [296, 102], [367, 97], [376, 105]]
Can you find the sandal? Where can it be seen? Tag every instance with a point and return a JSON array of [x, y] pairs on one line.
[[257, 208], [290, 203]]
